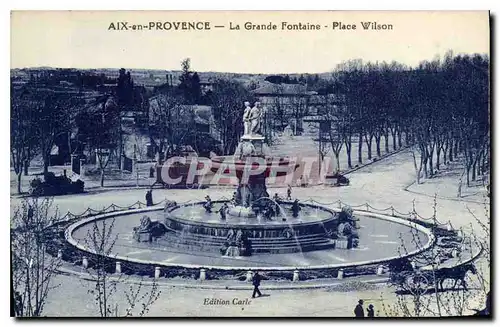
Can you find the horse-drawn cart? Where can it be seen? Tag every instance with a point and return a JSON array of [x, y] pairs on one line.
[[408, 278], [336, 179]]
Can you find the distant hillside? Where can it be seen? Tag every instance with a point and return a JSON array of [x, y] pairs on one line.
[[154, 77]]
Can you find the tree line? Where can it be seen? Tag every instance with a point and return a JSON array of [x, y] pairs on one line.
[[440, 108]]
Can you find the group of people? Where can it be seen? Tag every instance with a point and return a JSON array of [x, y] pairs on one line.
[[359, 312]]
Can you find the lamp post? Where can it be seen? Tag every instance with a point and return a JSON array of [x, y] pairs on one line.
[[136, 167]]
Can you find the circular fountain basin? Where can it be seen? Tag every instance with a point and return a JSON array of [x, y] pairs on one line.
[[382, 238], [192, 225]]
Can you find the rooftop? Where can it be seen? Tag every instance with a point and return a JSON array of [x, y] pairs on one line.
[[282, 89]]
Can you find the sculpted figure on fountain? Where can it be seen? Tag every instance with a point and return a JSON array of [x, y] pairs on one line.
[[255, 119], [252, 119], [247, 124]]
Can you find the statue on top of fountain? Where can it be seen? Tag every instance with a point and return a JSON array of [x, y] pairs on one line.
[[252, 119]]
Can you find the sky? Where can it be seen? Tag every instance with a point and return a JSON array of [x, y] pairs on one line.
[[82, 39]]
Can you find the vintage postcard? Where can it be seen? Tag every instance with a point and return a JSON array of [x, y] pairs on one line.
[[250, 164]]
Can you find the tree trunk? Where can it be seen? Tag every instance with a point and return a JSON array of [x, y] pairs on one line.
[[46, 163], [468, 163], [450, 157], [369, 140], [25, 167], [484, 162], [348, 147], [394, 139], [431, 167], [102, 177], [479, 159], [438, 153], [377, 141], [386, 136], [474, 170], [400, 139], [360, 148], [19, 175], [481, 165], [424, 163], [69, 146], [417, 170], [337, 160]]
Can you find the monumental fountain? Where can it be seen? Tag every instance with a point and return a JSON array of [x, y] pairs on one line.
[[252, 230], [255, 222]]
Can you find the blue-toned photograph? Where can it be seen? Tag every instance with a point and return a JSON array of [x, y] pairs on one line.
[[250, 164]]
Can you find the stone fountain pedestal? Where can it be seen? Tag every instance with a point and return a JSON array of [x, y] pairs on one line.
[[251, 145], [251, 149], [252, 163]]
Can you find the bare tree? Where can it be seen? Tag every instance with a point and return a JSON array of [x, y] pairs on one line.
[[227, 101], [171, 124], [298, 104], [418, 166], [423, 291], [103, 134], [54, 117], [101, 240], [33, 269], [23, 132], [334, 127], [323, 141], [278, 109]]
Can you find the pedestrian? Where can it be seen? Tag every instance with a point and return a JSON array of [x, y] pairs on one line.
[[256, 283], [359, 311], [276, 197], [370, 311], [149, 198], [289, 192]]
